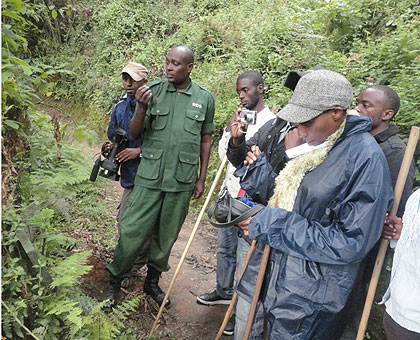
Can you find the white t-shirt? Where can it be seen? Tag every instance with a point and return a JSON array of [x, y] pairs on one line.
[[231, 181], [402, 299]]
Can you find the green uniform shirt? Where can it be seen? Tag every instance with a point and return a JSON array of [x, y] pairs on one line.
[[173, 126]]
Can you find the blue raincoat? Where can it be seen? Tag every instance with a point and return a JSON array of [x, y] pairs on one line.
[[337, 218]]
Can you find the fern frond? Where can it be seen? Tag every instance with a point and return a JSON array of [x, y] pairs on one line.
[[123, 311], [71, 269]]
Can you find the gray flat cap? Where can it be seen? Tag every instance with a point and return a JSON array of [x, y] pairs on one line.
[[316, 92]]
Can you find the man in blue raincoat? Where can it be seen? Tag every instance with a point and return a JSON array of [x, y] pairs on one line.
[[326, 213]]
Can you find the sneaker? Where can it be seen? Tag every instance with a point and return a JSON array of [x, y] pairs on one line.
[[213, 298], [230, 327]]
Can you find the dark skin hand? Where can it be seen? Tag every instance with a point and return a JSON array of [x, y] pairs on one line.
[[126, 154], [143, 96], [233, 121], [205, 147], [293, 139], [392, 228], [237, 129], [252, 155], [244, 225]]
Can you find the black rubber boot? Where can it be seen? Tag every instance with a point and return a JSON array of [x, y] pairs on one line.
[[151, 287], [111, 293]]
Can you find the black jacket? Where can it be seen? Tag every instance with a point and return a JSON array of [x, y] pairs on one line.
[[394, 148], [267, 139]]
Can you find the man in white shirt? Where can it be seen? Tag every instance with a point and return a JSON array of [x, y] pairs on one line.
[[402, 299], [250, 89]]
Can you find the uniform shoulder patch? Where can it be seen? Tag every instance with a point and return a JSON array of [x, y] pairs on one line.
[[203, 88], [154, 82]]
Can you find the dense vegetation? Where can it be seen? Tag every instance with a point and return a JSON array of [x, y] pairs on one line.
[[68, 54]]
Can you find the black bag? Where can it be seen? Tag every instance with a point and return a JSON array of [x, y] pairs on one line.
[[229, 211]]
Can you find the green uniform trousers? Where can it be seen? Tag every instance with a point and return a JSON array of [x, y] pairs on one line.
[[150, 213]]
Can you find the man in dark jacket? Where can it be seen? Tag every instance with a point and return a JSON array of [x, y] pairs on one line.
[[380, 103], [326, 213], [134, 75], [271, 141]]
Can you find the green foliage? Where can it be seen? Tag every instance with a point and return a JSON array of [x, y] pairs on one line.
[[75, 51], [370, 41], [55, 167], [61, 309]]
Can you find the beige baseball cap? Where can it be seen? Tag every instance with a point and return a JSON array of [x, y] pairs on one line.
[[135, 70]]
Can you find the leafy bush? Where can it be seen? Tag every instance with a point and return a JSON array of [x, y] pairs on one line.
[[370, 42]]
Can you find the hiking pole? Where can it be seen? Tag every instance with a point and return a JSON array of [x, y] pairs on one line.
[[260, 279], [399, 186], [235, 294], [178, 268]]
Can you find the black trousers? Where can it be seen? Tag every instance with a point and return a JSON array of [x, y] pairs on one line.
[[394, 331]]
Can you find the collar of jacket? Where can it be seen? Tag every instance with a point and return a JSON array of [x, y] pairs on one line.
[[384, 135], [172, 88], [132, 101], [354, 124]]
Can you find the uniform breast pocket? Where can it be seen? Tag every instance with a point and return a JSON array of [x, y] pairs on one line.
[[159, 118], [193, 121], [150, 164], [186, 171]]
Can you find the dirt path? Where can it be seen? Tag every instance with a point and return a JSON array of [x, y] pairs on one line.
[[185, 320]]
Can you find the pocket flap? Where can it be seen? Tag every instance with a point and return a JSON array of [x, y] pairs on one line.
[[196, 115], [159, 111], [151, 153], [186, 157]]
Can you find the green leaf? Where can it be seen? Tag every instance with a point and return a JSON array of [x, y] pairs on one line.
[[54, 14], [19, 61], [12, 15], [11, 123]]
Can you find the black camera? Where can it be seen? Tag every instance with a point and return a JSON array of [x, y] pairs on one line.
[[110, 165], [294, 75]]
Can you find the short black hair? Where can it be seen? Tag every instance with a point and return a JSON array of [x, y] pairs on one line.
[[392, 99], [254, 76]]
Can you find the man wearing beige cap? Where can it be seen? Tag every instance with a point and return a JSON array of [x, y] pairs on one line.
[[134, 75], [325, 215]]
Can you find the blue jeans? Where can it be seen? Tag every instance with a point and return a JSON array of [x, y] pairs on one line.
[[227, 241], [242, 306]]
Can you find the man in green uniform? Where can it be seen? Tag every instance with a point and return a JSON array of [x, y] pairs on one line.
[[175, 116]]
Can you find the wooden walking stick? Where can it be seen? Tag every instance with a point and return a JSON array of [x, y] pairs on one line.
[[178, 268], [235, 294], [260, 279], [399, 186]]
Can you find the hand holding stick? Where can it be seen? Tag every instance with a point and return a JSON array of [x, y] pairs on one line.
[[399, 186]]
